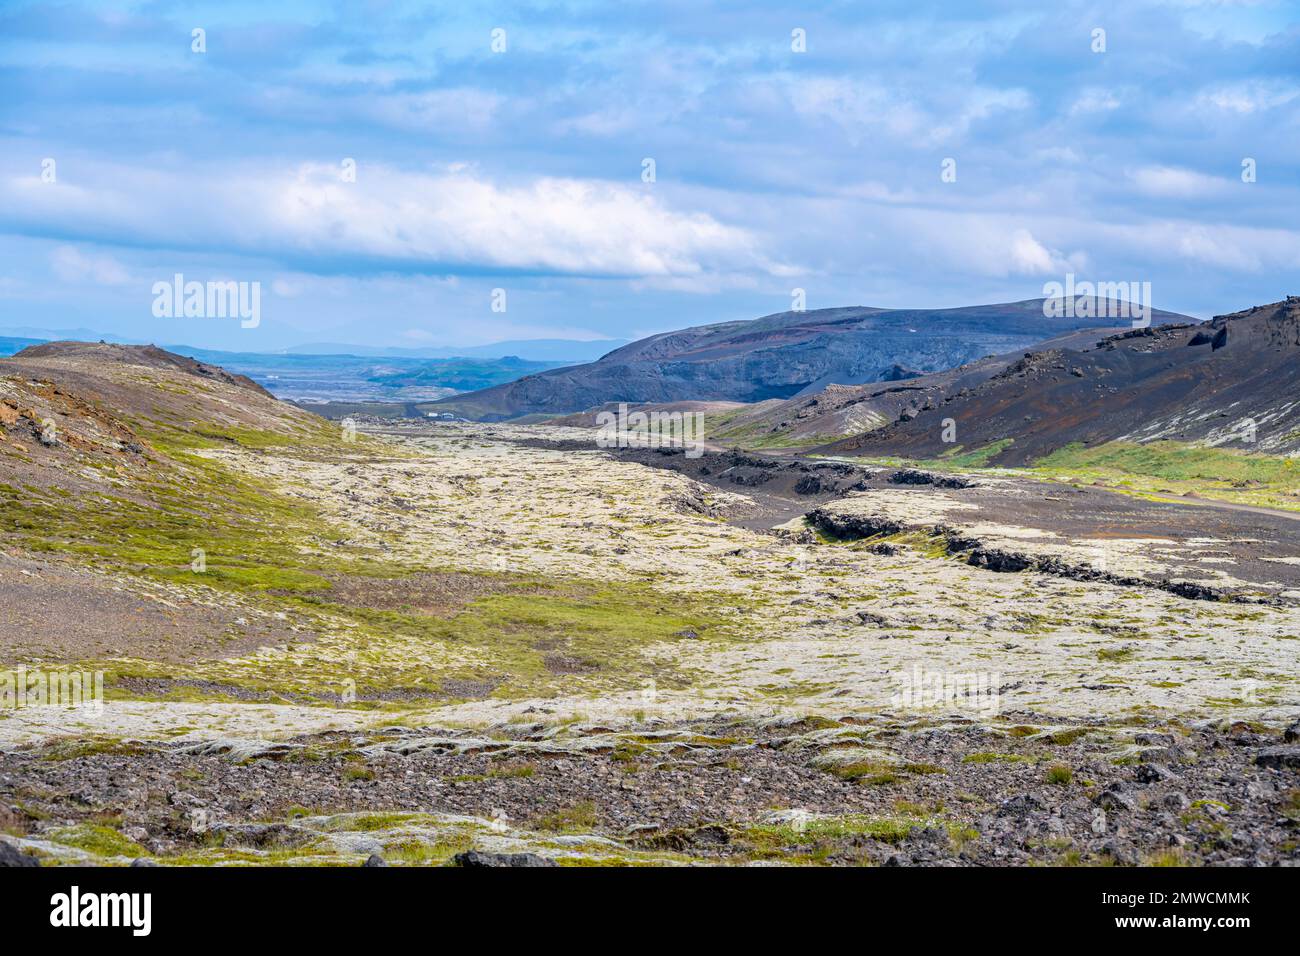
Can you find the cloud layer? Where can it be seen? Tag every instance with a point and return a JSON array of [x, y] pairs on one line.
[[913, 154]]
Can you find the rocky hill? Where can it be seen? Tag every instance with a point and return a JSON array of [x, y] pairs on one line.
[[778, 357], [1234, 381], [846, 410], [86, 417]]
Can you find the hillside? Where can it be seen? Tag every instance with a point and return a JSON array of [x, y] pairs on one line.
[[777, 356], [846, 410], [83, 416], [1234, 382], [463, 374]]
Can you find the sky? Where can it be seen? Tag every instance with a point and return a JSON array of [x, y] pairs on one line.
[[452, 174]]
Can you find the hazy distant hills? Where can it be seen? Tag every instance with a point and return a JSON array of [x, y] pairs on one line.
[[1232, 381], [554, 351], [352, 373], [780, 356], [353, 378], [463, 374]]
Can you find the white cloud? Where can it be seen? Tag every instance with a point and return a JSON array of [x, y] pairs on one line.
[[1031, 257], [976, 244], [1248, 97], [393, 219], [1095, 99], [865, 109], [72, 265], [1172, 181]]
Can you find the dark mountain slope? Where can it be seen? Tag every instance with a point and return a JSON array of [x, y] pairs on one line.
[[778, 356], [839, 410], [1234, 381]]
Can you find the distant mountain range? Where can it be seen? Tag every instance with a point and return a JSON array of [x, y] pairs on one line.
[[554, 351], [381, 378], [463, 374], [350, 373], [783, 355], [1233, 381]]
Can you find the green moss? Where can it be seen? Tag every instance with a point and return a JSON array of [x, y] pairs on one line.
[[1156, 467], [367, 822], [1022, 730], [97, 839], [976, 458], [1059, 774], [74, 749], [427, 853], [923, 768], [813, 839], [579, 818], [1063, 738], [990, 757]]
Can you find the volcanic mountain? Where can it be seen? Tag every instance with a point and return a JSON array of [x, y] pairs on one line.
[[1233, 381], [779, 356], [87, 418], [842, 410]]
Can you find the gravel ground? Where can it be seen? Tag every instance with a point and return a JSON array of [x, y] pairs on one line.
[[1023, 789]]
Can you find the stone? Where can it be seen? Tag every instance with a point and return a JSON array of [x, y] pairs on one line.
[[1114, 798], [375, 859], [10, 856], [1286, 756], [1021, 805], [1154, 740], [1153, 773], [476, 859]]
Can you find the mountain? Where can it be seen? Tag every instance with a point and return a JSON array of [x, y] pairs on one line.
[[553, 351], [539, 350], [59, 335], [95, 419], [839, 411], [1233, 381], [359, 378], [10, 344], [780, 356], [463, 374]]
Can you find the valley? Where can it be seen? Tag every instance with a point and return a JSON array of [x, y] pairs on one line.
[[631, 655]]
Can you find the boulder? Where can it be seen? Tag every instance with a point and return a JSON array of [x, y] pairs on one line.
[[10, 856], [476, 859]]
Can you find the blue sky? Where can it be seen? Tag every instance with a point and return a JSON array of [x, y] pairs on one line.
[[522, 170]]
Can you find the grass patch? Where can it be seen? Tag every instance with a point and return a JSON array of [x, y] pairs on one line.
[[975, 458], [74, 749], [97, 839], [990, 757], [1178, 467], [1059, 774], [579, 818]]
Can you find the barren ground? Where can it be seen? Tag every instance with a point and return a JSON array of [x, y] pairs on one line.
[[585, 652]]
